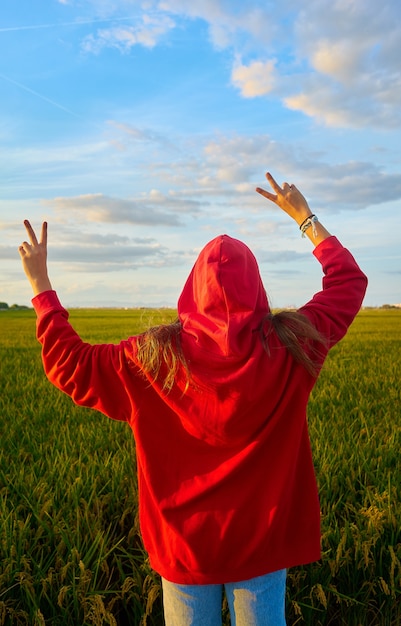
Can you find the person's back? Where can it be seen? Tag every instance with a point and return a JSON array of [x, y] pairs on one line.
[[228, 495]]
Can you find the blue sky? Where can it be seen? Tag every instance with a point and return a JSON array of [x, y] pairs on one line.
[[139, 131]]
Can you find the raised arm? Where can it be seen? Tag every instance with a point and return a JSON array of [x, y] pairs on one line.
[[292, 202], [92, 375], [332, 309]]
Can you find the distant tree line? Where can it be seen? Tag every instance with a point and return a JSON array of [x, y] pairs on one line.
[[4, 306]]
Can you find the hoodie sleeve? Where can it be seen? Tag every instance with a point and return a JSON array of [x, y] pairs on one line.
[[92, 375], [333, 309]]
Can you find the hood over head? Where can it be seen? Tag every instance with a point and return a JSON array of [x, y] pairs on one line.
[[221, 309], [223, 300]]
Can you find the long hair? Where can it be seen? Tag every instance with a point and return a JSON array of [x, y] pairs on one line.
[[298, 335], [160, 347], [160, 351]]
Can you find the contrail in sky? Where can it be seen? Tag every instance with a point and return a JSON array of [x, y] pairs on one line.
[[77, 23], [35, 93]]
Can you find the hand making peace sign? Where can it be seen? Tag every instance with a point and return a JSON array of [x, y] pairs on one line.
[[34, 258]]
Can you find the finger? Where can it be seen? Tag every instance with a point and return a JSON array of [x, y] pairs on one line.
[[22, 250], [273, 183], [30, 232], [266, 194], [43, 234]]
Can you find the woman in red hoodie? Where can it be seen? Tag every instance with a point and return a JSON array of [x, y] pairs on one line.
[[217, 405]]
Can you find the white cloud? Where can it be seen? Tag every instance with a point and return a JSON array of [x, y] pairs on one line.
[[97, 207], [255, 79], [324, 106], [350, 52], [341, 60], [223, 171], [227, 20], [202, 177], [128, 134], [342, 57], [371, 101], [147, 34], [336, 62]]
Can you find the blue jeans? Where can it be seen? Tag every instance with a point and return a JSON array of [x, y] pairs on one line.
[[256, 602]]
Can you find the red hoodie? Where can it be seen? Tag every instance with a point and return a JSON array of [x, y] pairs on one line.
[[227, 489]]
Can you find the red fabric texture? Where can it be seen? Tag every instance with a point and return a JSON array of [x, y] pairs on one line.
[[227, 489]]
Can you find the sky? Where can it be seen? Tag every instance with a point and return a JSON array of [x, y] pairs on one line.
[[140, 130]]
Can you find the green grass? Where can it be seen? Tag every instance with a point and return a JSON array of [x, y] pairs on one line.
[[70, 551]]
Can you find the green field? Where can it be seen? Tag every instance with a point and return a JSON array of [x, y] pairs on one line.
[[70, 552]]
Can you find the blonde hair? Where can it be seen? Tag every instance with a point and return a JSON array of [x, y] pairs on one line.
[[161, 346], [297, 333], [160, 351]]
